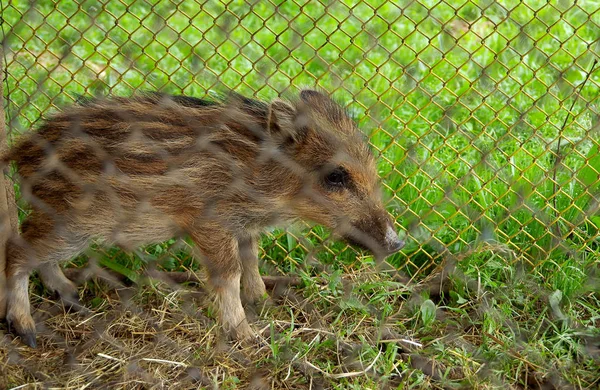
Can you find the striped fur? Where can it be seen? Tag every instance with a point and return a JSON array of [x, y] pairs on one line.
[[132, 171]]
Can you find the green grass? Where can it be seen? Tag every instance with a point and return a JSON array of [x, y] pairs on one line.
[[464, 103]]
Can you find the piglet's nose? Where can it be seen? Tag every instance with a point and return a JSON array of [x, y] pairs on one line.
[[393, 241], [396, 246]]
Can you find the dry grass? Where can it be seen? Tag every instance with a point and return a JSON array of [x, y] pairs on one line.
[[351, 328], [154, 337]]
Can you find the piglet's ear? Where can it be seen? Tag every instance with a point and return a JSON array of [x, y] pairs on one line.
[[323, 104], [285, 122], [310, 96]]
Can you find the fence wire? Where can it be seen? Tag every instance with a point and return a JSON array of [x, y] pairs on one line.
[[483, 117]]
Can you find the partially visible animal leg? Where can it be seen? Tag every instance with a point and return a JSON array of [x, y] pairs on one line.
[[41, 245], [220, 253], [18, 314], [55, 280], [253, 287]]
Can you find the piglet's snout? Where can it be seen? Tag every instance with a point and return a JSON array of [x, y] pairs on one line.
[[393, 243]]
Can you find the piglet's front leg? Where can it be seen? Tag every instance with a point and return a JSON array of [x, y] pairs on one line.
[[221, 257]]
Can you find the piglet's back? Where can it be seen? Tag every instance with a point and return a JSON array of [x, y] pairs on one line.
[[154, 147]]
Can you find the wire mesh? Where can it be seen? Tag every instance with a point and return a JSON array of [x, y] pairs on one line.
[[483, 117]]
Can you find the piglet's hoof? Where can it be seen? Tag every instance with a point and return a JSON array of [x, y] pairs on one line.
[[72, 303], [25, 331]]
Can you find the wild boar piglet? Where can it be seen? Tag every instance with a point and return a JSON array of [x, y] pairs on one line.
[[140, 170]]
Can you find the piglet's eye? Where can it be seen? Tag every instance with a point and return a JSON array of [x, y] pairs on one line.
[[338, 178]]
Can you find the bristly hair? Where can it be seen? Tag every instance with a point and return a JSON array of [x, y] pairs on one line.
[[183, 100], [82, 100], [191, 102], [253, 106]]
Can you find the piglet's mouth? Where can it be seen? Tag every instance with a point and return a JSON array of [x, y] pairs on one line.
[[387, 245]]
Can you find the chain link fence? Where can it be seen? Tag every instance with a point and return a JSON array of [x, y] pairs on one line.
[[483, 117]]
